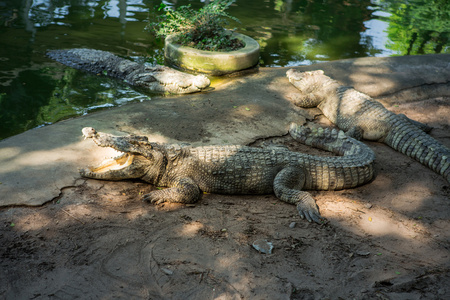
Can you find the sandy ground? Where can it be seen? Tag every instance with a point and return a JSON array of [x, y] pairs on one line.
[[385, 240], [389, 239]]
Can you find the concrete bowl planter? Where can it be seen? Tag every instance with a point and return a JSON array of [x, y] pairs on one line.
[[212, 62]]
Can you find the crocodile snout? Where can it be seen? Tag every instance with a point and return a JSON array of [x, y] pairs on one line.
[[88, 132]]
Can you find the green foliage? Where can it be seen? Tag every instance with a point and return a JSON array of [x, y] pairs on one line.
[[202, 29], [419, 26]]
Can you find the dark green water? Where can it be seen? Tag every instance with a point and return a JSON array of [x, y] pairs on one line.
[[35, 91]]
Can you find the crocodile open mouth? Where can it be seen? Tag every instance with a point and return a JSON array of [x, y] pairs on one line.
[[116, 163]]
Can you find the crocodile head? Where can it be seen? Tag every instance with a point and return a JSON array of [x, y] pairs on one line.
[[305, 81], [138, 158], [314, 86], [165, 79]]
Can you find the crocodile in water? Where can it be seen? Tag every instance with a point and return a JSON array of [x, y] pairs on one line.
[[154, 79], [188, 171], [360, 116]]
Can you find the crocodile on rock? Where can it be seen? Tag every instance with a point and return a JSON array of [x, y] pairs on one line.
[[154, 79], [189, 171], [360, 116]]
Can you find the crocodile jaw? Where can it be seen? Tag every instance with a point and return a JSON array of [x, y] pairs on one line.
[[118, 168], [117, 163]]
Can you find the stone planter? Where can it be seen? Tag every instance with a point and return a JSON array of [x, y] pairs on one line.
[[212, 62]]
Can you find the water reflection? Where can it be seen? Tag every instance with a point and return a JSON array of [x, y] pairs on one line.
[[35, 90], [42, 13], [419, 27]]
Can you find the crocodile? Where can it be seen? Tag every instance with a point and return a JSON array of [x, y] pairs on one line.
[[154, 79], [188, 171], [362, 117]]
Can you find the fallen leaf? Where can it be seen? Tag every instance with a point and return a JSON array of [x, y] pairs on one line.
[[370, 219]]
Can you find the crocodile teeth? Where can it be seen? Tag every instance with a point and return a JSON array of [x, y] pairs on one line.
[[112, 164], [116, 154]]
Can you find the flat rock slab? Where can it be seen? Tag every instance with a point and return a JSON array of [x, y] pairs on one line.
[[38, 164]]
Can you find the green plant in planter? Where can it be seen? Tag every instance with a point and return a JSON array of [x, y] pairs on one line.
[[203, 29]]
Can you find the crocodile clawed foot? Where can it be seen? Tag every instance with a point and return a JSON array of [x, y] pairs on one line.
[[310, 212], [153, 198]]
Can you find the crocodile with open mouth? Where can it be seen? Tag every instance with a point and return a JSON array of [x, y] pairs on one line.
[[160, 79], [188, 171]]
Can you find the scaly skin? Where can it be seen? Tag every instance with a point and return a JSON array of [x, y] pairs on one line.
[[154, 79], [238, 169], [362, 117]]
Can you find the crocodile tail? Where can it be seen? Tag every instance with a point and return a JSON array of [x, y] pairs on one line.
[[333, 140], [353, 168], [410, 140]]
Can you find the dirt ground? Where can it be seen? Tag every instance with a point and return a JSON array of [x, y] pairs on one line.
[[389, 239]]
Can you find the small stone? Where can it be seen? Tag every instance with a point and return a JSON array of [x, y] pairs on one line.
[[292, 225], [363, 253], [368, 206], [263, 246], [167, 271]]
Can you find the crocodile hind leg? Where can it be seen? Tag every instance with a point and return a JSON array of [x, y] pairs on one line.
[[184, 191], [287, 186], [355, 132]]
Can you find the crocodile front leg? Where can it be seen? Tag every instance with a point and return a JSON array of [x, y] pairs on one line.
[[287, 186], [185, 190]]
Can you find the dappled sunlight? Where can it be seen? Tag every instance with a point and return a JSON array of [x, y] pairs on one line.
[[250, 110], [386, 232], [39, 219], [407, 198], [8, 153], [377, 223], [190, 230], [374, 221], [35, 221], [414, 194]]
